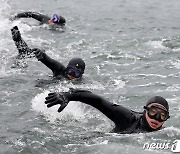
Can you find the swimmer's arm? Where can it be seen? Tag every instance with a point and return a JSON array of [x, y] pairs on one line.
[[56, 67], [118, 114], [34, 15], [19, 42]]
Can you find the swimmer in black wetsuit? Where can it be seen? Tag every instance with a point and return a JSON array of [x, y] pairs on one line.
[[156, 111], [74, 69], [43, 19]]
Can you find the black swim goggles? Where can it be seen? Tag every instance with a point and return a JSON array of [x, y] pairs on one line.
[[74, 72], [157, 112], [55, 18]]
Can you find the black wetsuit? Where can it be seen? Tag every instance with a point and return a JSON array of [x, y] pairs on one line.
[[57, 68], [40, 17], [126, 121]]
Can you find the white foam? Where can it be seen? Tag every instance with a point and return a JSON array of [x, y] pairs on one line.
[[72, 111], [172, 131], [175, 87], [156, 44], [97, 143], [176, 64], [6, 39]]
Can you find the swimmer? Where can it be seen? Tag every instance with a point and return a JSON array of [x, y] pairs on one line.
[[156, 110], [74, 70], [43, 19]]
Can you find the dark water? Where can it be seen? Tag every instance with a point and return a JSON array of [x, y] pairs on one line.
[[131, 49]]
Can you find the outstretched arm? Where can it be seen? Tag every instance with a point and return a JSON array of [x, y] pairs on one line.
[[40, 17], [121, 116], [56, 67], [21, 45]]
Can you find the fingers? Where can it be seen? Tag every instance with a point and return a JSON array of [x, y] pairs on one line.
[[51, 95], [15, 33], [36, 50], [51, 99], [62, 107], [38, 53], [15, 28], [52, 103], [56, 98]]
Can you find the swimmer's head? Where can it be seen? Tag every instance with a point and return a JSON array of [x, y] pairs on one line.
[[156, 112], [75, 68], [56, 20]]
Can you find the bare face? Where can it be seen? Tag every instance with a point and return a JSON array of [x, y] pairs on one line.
[[70, 77], [152, 122], [50, 22]]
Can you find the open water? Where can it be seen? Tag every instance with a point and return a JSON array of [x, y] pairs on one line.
[[132, 52]]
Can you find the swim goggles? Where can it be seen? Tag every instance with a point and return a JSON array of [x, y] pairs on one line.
[[157, 112], [55, 18], [73, 72]]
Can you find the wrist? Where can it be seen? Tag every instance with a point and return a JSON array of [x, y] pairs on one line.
[[68, 96], [42, 57]]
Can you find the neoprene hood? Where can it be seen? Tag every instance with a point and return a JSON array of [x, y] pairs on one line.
[[159, 100]]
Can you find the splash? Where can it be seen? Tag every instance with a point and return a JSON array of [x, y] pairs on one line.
[[71, 112], [75, 111], [4, 41], [4, 22], [156, 44], [176, 63]]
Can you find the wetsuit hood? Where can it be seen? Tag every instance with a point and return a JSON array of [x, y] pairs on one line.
[[159, 100], [77, 63]]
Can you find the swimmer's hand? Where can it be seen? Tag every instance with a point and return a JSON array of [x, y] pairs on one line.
[[39, 53], [57, 98], [16, 35]]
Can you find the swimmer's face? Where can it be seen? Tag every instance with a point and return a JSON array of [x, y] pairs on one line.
[[70, 77], [73, 73], [54, 20], [50, 22], [153, 112]]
